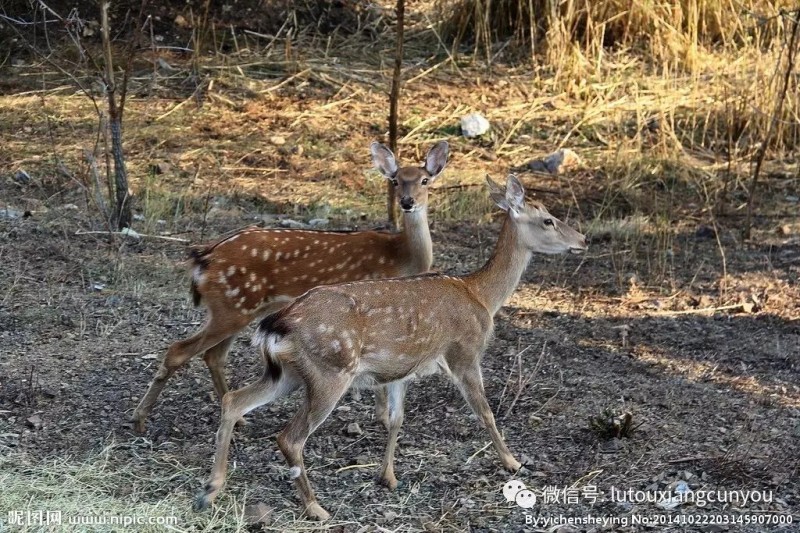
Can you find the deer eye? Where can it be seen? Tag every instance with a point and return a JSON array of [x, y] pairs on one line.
[[548, 222], [394, 182], [424, 181]]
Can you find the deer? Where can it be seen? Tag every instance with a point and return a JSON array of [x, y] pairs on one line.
[[257, 271], [384, 333]]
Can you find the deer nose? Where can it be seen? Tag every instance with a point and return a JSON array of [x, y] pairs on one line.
[[406, 202]]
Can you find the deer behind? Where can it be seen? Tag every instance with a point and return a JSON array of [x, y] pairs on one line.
[[258, 271], [384, 333]]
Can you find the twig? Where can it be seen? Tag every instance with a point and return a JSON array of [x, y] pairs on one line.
[[474, 455], [695, 458], [393, 98], [162, 237], [762, 150], [352, 467], [523, 384], [697, 311]]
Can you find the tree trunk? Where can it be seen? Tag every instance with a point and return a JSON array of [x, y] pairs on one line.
[[122, 204], [393, 99]]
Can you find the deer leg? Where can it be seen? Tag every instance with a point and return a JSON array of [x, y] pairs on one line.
[[394, 394], [178, 355], [470, 382], [382, 406], [234, 406], [215, 358], [318, 405]]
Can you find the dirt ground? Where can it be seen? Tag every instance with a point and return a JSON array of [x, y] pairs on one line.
[[714, 396]]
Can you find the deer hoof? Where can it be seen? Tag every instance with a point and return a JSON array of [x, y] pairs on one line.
[[316, 512], [388, 482]]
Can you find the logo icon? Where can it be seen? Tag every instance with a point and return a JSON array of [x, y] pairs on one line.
[[516, 491], [511, 488], [525, 499]]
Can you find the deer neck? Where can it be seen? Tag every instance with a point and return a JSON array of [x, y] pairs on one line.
[[496, 281], [416, 238]]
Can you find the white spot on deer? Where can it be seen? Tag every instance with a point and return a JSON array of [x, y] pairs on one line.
[[265, 255], [314, 280], [255, 288], [197, 275], [296, 253], [277, 255], [244, 247], [307, 248], [254, 252], [381, 260], [223, 278], [247, 285], [243, 270], [271, 287], [316, 241], [231, 270], [230, 293]]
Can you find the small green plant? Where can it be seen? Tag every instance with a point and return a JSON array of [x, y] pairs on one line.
[[612, 424]]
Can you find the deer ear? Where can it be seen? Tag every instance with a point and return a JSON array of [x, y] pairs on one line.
[[515, 193], [384, 160], [498, 193], [436, 159]]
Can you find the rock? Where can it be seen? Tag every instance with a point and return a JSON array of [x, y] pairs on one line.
[[474, 125], [277, 140], [293, 224], [557, 162], [793, 199], [138, 217], [705, 232], [181, 22], [22, 177], [354, 429], [163, 66], [69, 207], [257, 513], [34, 421], [128, 232], [318, 222]]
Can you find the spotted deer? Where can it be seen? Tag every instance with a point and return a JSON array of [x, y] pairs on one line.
[[384, 333], [258, 271]]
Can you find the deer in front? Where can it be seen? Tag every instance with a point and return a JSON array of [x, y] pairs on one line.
[[258, 271], [384, 333]]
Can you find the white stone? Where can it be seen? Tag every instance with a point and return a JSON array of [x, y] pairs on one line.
[[474, 125]]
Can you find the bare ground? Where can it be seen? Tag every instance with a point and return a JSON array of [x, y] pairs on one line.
[[714, 395]]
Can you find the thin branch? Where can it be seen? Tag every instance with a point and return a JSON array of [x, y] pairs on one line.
[[762, 150]]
